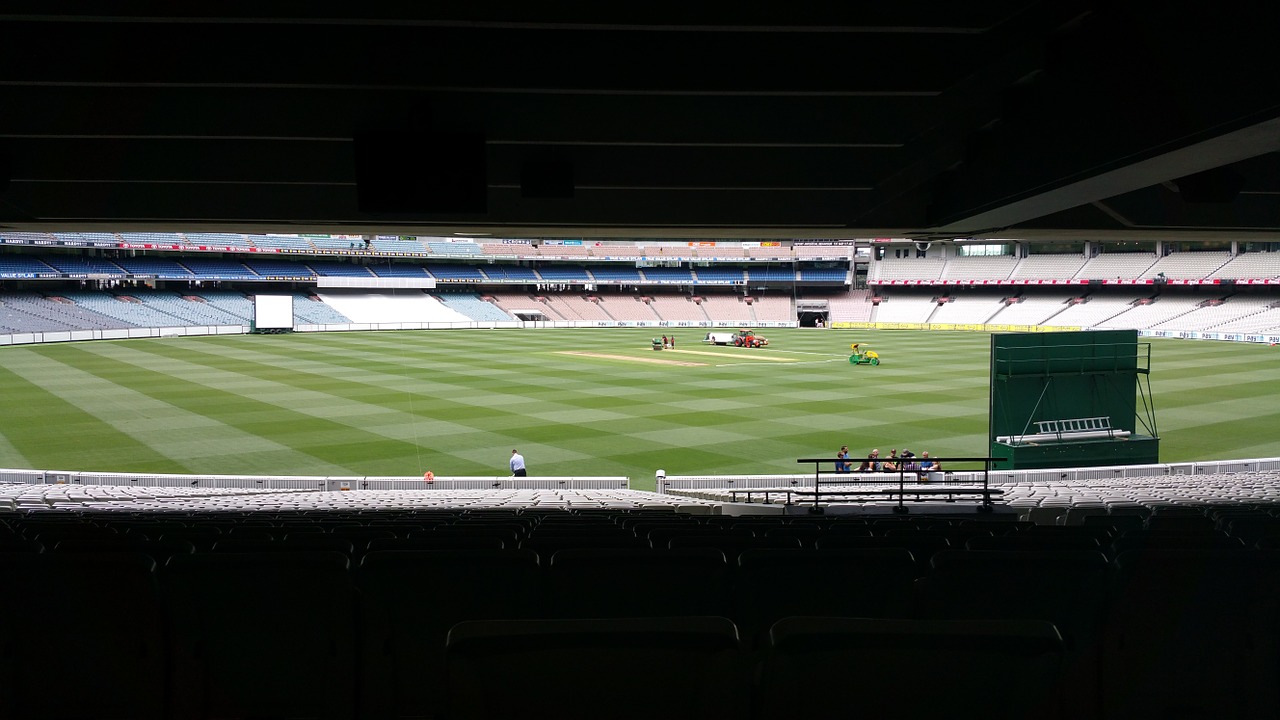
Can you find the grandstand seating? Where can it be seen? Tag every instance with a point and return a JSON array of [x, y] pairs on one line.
[[721, 275], [1111, 266], [909, 268], [282, 243], [218, 239], [24, 266], [509, 273], [855, 306], [773, 308], [627, 308], [770, 274], [338, 244], [563, 273], [1098, 309], [1038, 308], [1105, 610], [398, 245], [564, 251], [470, 305], [88, 238], [1246, 315], [678, 308], [75, 265], [1187, 265], [161, 268], [215, 269], [311, 310], [727, 308], [404, 270], [826, 251], [279, 269], [1048, 266], [1250, 265], [1161, 309], [512, 302], [454, 249], [577, 307], [668, 275], [906, 307], [450, 273], [978, 267], [823, 275], [339, 269], [131, 312], [968, 308], [616, 274], [30, 312]]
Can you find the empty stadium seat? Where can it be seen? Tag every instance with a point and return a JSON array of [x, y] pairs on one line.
[[594, 668], [831, 667]]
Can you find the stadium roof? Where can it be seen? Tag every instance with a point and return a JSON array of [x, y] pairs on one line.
[[1051, 119]]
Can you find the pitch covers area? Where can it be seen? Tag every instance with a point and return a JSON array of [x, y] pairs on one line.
[[574, 402]]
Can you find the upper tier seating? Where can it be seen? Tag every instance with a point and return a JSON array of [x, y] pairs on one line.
[[1187, 265], [978, 267], [214, 269], [563, 273], [339, 269], [1115, 266], [1048, 267], [385, 244], [1250, 265], [668, 275], [909, 268], [439, 247], [73, 265], [161, 268], [279, 269]]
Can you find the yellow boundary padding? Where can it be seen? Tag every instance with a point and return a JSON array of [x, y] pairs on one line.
[[949, 326]]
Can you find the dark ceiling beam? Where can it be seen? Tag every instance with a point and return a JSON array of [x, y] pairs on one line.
[[503, 118], [246, 206], [129, 160], [617, 62], [903, 16]]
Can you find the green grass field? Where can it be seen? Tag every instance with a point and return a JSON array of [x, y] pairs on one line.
[[575, 402]]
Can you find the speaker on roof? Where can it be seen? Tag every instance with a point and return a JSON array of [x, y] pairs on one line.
[[421, 173]]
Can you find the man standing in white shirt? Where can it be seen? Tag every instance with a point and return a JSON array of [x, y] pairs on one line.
[[517, 464]]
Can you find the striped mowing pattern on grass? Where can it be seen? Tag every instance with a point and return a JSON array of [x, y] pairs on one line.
[[457, 402]]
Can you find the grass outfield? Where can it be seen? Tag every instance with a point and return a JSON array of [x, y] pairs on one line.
[[575, 402]]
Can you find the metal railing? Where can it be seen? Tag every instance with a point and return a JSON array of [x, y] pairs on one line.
[[901, 493]]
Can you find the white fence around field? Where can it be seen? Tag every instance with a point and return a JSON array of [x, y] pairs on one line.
[[314, 482], [676, 483]]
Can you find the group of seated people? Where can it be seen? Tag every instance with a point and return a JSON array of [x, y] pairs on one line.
[[906, 462]]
